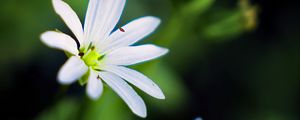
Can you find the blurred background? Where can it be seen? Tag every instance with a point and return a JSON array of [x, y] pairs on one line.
[[228, 60]]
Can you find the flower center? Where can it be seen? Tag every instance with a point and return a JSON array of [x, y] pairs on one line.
[[92, 58]]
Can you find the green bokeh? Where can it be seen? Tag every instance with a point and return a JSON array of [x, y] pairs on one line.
[[191, 29]]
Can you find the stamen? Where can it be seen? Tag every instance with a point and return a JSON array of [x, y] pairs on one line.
[[81, 54], [121, 29], [101, 57], [90, 45], [93, 48], [98, 77]]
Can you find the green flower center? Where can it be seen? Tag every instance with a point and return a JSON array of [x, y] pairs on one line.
[[92, 58]]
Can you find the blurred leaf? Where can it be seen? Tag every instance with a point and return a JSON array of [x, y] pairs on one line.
[[171, 85], [66, 109], [232, 23], [228, 27], [182, 23], [196, 7], [171, 32], [21, 28], [108, 107]]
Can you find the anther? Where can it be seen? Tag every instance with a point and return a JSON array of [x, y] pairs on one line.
[[81, 54], [93, 48], [121, 29], [98, 77]]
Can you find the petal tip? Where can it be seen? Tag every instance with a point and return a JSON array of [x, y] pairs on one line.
[[71, 71], [92, 94], [165, 51], [156, 19], [43, 35], [142, 114], [161, 96], [93, 97], [62, 80]]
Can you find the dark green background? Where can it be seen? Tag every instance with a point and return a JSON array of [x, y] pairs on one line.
[[218, 68]]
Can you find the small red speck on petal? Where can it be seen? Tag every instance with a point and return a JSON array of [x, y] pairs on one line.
[[121, 29]]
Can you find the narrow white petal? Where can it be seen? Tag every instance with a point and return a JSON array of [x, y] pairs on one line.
[[94, 86], [101, 18], [134, 54], [69, 17], [72, 70], [137, 79], [133, 32], [131, 98], [60, 41]]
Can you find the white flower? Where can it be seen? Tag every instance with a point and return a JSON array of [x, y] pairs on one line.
[[104, 53]]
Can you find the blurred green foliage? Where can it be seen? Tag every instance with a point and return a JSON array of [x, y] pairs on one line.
[[65, 109], [187, 28], [183, 23]]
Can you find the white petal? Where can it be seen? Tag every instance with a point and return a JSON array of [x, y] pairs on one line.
[[72, 70], [69, 17], [101, 18], [134, 54], [134, 31], [137, 79], [60, 41], [132, 99], [94, 86]]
